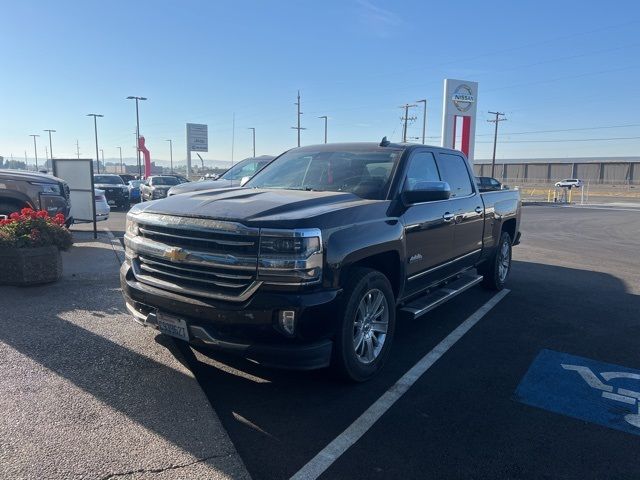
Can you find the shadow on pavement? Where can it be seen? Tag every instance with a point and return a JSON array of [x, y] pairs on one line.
[[279, 420], [152, 394]]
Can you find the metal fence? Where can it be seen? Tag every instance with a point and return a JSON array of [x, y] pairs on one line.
[[604, 173]]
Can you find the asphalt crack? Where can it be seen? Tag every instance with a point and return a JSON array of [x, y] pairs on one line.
[[164, 469]]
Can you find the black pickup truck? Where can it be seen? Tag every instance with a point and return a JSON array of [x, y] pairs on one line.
[[310, 262]]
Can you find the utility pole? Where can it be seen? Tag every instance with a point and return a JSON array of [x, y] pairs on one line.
[[50, 147], [405, 119], [495, 137], [424, 119], [298, 128], [137, 131], [121, 166], [35, 149], [170, 153], [95, 128], [78, 149], [326, 119], [253, 133]]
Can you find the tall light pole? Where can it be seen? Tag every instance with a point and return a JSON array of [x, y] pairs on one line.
[[495, 137], [253, 132], [50, 146], [326, 119], [137, 131], [121, 167], [170, 153], [95, 128], [424, 119], [35, 148]]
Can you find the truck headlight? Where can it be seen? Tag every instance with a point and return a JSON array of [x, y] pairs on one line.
[[290, 257], [132, 226]]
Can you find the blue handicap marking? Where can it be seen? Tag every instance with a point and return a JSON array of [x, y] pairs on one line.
[[581, 388]]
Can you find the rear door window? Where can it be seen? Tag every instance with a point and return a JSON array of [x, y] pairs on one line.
[[453, 170]]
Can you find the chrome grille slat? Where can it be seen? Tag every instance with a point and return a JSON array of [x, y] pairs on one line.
[[199, 239], [208, 271], [147, 268]]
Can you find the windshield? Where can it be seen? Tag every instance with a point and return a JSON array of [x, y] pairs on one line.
[[108, 179], [365, 172], [164, 181], [245, 168]]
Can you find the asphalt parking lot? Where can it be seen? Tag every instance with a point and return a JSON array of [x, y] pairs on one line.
[[496, 404]]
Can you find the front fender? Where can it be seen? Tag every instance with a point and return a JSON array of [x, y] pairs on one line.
[[352, 243]]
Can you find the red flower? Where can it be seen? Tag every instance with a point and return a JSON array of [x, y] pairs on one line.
[[42, 214], [14, 216], [59, 219]]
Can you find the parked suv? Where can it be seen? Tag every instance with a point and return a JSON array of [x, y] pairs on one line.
[[20, 189], [570, 182], [488, 184], [157, 186], [115, 190]]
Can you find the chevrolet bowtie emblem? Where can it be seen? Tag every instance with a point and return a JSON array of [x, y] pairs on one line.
[[176, 254]]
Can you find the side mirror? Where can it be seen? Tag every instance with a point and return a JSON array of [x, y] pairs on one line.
[[244, 180], [426, 192]]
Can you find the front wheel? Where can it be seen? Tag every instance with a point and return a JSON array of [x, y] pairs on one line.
[[367, 325], [496, 270]]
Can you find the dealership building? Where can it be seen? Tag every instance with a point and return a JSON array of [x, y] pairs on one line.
[[596, 170]]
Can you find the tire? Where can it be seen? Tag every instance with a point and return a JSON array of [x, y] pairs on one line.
[[496, 271], [7, 208], [365, 288]]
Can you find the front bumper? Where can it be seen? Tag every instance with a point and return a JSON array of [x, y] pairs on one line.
[[116, 196], [249, 329]]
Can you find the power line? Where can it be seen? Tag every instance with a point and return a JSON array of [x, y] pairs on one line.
[[561, 130], [569, 140]]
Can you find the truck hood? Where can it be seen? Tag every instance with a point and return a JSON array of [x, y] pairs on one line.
[[251, 205], [202, 185]]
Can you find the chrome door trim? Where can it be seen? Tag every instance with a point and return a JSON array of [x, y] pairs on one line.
[[418, 275]]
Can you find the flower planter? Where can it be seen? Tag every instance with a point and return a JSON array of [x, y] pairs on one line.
[[30, 266]]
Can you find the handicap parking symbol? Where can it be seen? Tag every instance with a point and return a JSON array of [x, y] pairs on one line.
[[582, 388]]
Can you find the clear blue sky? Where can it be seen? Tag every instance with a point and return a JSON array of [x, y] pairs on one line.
[[550, 65]]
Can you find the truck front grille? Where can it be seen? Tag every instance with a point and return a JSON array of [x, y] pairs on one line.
[[196, 257]]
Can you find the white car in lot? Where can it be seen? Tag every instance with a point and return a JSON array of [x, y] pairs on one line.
[[570, 182], [102, 207]]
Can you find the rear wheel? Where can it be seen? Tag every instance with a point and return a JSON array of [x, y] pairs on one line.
[[496, 270], [367, 325]]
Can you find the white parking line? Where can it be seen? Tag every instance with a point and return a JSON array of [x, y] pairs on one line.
[[329, 454], [115, 244]]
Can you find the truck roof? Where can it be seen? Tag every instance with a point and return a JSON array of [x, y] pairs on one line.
[[27, 175]]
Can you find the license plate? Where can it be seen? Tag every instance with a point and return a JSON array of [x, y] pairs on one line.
[[111, 202], [175, 327]]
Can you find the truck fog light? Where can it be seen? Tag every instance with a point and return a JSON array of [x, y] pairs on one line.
[[287, 320]]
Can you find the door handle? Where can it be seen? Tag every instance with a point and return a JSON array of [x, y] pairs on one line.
[[447, 217], [479, 210]]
